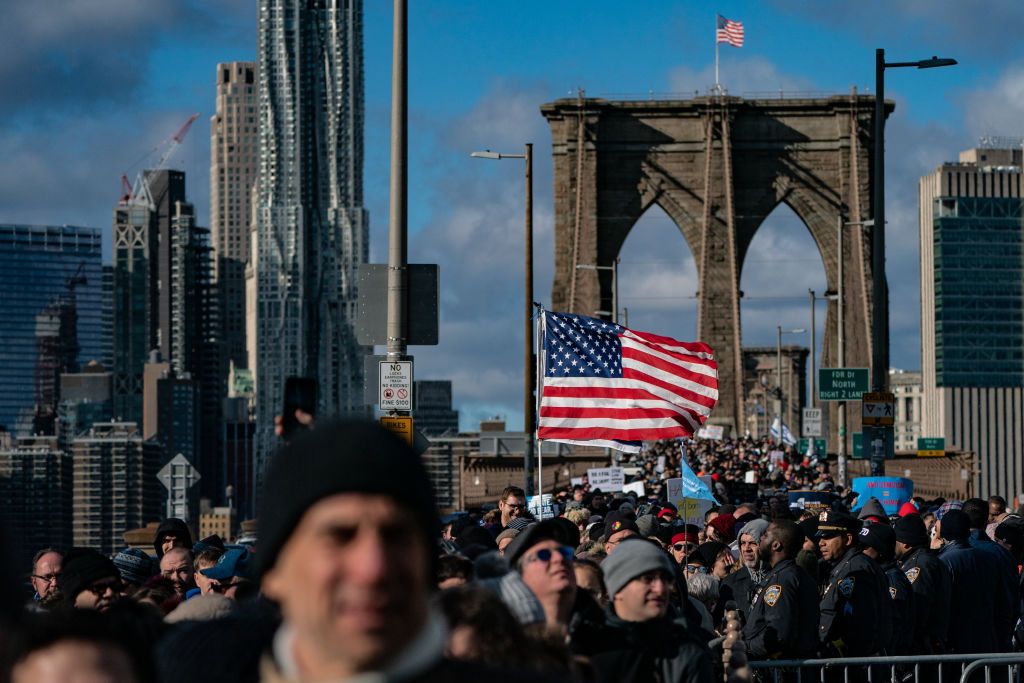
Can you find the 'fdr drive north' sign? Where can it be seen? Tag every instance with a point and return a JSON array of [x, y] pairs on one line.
[[842, 384]]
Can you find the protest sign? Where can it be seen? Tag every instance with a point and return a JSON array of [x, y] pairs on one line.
[[636, 487], [541, 507], [713, 432], [576, 481], [815, 501], [690, 510], [606, 478], [891, 492]]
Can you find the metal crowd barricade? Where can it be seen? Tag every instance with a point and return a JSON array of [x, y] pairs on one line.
[[990, 668]]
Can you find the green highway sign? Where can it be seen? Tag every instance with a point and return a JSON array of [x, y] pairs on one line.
[[820, 446], [858, 446], [842, 384], [931, 447]]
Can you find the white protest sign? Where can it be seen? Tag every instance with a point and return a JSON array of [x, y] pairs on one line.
[[636, 487], [714, 432], [690, 510], [660, 467], [576, 481], [606, 478]]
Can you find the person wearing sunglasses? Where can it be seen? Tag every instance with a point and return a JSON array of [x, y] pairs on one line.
[[89, 580], [683, 544], [231, 574], [545, 562]]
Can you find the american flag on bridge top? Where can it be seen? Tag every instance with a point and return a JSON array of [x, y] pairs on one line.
[[729, 31], [606, 385]]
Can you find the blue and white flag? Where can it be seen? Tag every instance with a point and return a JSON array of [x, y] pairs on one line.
[[786, 436], [692, 486]]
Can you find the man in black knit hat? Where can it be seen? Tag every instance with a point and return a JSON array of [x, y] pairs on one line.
[[89, 580], [346, 547]]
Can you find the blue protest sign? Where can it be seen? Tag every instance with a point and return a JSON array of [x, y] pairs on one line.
[[891, 492]]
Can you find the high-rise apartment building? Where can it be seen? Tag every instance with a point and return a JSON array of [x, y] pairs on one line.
[[972, 310], [51, 310], [115, 487], [310, 218], [35, 487], [234, 152]]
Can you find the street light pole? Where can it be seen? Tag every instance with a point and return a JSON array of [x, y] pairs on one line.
[[529, 406], [841, 456], [811, 451], [879, 287], [398, 234]]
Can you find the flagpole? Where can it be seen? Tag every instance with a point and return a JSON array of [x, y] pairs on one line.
[[717, 86], [539, 332]]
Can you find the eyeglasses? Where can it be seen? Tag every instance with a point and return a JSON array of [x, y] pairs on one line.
[[545, 554], [224, 587], [46, 578], [99, 589], [696, 569]]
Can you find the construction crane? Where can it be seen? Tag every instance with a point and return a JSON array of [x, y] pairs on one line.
[[139, 191]]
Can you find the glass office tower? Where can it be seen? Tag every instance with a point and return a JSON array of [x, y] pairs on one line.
[[51, 312]]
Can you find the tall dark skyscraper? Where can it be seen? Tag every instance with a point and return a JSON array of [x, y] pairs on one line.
[[164, 301], [972, 309], [51, 310], [311, 225]]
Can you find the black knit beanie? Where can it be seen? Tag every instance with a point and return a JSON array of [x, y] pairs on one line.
[[82, 567], [340, 456], [911, 530], [956, 526]]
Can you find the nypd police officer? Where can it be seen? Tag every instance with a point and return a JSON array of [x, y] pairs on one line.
[[854, 619], [782, 621], [931, 583]]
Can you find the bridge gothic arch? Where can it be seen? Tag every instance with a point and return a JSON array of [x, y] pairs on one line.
[[718, 166]]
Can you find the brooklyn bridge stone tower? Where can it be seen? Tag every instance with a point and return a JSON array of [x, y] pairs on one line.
[[718, 166]]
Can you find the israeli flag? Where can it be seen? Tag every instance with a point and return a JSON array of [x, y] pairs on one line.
[[693, 487], [786, 436]]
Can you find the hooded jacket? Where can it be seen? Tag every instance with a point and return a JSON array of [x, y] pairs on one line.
[[172, 525]]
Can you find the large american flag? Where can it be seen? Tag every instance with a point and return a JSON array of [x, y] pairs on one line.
[[607, 385], [729, 31]]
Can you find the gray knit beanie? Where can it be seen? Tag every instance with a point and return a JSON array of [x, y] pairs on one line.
[[633, 557], [755, 528]]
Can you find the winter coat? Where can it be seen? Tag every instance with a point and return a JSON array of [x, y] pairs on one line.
[[660, 651]]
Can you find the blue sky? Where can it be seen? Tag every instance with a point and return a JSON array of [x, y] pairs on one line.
[[91, 87]]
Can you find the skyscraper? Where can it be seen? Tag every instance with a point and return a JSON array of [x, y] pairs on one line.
[[164, 301], [234, 152], [51, 310], [972, 309], [312, 228]]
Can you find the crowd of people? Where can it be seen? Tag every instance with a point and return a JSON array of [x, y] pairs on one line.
[[355, 577]]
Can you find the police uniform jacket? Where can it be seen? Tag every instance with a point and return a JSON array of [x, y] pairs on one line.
[[855, 622], [783, 618], [931, 582], [972, 600], [903, 599]]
